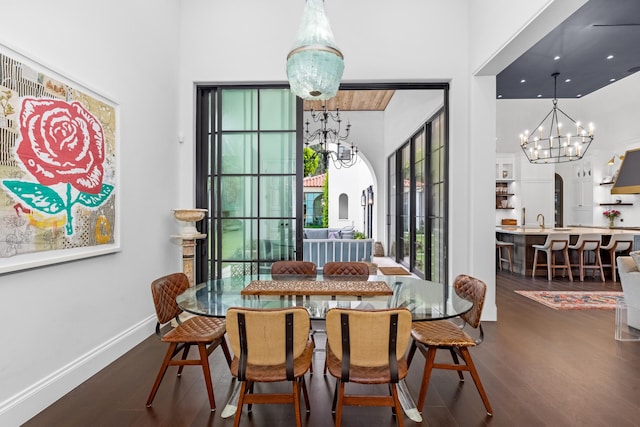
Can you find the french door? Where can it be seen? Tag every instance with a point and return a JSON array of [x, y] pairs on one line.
[[417, 205], [246, 173]]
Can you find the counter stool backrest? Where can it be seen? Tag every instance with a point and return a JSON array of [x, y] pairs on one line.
[[557, 241], [620, 242], [589, 241]]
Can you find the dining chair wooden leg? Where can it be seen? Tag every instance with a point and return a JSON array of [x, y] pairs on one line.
[[335, 397], [551, 264], [243, 390], [412, 352], [296, 402], [339, 403], [454, 356], [185, 353], [225, 350], [305, 394], [397, 407], [206, 370], [250, 385], [426, 375], [464, 351], [163, 369]]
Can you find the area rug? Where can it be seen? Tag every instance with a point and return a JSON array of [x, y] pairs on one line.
[[394, 271], [574, 300]]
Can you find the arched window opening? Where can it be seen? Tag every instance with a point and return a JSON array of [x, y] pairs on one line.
[[343, 206]]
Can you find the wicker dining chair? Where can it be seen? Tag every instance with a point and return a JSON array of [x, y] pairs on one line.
[[206, 333], [431, 336], [358, 271], [270, 345], [356, 354]]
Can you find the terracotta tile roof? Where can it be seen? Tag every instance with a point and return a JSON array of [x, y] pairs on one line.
[[314, 181]]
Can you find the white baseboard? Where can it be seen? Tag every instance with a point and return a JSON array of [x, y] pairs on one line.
[[24, 405]]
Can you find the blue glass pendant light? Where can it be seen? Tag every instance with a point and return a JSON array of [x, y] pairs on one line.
[[315, 64]]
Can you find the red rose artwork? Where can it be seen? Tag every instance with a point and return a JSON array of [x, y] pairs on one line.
[[60, 143]]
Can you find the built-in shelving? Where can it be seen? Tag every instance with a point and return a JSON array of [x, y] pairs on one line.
[[504, 194], [616, 204]]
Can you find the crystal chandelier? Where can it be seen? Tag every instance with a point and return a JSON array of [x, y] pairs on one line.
[[315, 64], [552, 142], [345, 154]]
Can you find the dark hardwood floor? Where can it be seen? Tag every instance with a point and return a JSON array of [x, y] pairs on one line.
[[539, 366]]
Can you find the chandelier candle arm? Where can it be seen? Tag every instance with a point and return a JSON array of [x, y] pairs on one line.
[[554, 146]]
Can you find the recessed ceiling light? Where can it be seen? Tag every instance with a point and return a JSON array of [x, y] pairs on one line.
[[522, 81], [610, 57], [578, 95], [539, 96], [567, 80], [499, 96], [612, 80], [555, 58]]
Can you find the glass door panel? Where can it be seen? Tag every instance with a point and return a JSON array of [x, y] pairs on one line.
[[405, 256], [251, 176]]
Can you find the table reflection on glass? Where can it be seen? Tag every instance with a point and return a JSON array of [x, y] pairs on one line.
[[425, 300]]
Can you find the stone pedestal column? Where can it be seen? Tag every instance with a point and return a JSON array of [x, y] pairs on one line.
[[188, 254], [189, 234]]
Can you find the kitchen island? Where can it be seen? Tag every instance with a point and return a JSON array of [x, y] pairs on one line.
[[524, 237]]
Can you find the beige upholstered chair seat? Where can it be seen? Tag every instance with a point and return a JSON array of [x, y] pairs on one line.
[[363, 374], [274, 373]]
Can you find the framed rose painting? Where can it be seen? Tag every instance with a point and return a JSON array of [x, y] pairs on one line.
[[58, 167]]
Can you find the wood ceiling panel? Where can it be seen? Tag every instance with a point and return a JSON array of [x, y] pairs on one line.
[[355, 100]]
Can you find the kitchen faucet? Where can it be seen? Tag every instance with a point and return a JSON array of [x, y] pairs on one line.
[[538, 219]]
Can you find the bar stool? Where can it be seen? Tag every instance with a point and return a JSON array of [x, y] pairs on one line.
[[588, 242], [509, 247], [618, 243], [556, 242]]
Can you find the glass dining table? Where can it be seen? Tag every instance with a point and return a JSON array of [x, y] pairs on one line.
[[425, 300]]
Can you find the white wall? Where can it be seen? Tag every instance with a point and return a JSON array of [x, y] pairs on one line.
[[367, 133], [63, 323]]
